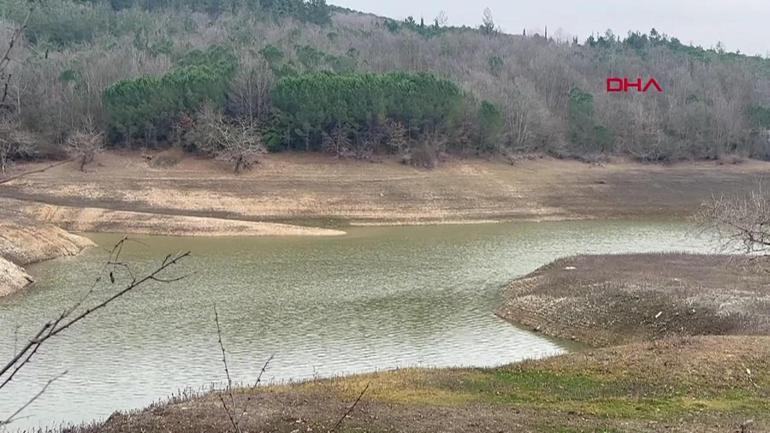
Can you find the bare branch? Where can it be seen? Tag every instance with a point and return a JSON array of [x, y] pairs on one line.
[[739, 220], [261, 372], [6, 59], [228, 410], [67, 320], [350, 410], [13, 416]]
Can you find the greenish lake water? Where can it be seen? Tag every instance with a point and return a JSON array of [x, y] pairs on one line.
[[378, 298]]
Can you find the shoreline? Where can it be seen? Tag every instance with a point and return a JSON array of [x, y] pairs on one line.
[[703, 379], [313, 195], [295, 187], [25, 241]]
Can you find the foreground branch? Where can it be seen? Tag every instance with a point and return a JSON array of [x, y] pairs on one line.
[[32, 400], [350, 410], [69, 318], [228, 410]]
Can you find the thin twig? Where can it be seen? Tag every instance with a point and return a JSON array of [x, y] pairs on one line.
[[261, 372], [65, 321], [6, 59], [11, 418], [229, 413], [228, 410], [350, 410], [256, 384]]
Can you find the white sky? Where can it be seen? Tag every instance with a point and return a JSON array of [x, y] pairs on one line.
[[739, 24]]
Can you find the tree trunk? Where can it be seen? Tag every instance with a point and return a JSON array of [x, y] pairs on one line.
[[238, 163]]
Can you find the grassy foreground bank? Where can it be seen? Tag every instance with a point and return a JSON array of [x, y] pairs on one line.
[[699, 384], [683, 380]]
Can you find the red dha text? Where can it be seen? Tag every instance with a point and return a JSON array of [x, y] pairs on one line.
[[615, 84]]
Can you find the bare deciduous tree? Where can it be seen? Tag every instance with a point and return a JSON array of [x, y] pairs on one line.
[[397, 136], [13, 143], [84, 145], [5, 60], [487, 23], [239, 144], [338, 142], [739, 221], [250, 93]]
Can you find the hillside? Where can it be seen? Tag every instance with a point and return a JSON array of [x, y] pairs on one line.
[[231, 78]]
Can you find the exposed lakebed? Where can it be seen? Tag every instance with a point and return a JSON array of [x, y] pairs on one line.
[[376, 298]]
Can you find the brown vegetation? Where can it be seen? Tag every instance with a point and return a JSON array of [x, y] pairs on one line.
[[83, 146]]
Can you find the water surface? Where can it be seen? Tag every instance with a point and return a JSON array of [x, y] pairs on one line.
[[378, 298]]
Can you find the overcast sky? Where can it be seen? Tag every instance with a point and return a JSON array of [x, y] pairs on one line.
[[739, 24]]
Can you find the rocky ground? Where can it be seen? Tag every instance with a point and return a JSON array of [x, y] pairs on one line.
[[617, 299]]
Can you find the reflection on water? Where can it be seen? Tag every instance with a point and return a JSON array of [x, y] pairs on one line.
[[377, 298]]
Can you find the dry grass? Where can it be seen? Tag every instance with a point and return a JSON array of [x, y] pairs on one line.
[[704, 384]]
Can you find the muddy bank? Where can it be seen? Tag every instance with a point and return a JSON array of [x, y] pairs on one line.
[[617, 299], [31, 232], [24, 240], [291, 187], [115, 221]]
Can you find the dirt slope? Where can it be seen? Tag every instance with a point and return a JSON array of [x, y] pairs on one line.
[[24, 240], [296, 187]]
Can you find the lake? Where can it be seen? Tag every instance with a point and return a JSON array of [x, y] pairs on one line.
[[377, 298]]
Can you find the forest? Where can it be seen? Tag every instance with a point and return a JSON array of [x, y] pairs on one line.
[[237, 77]]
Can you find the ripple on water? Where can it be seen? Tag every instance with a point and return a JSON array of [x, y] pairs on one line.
[[378, 298]]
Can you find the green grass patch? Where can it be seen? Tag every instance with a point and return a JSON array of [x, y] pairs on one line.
[[601, 397]]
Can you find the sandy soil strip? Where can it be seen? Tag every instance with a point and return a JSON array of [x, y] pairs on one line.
[[113, 221]]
